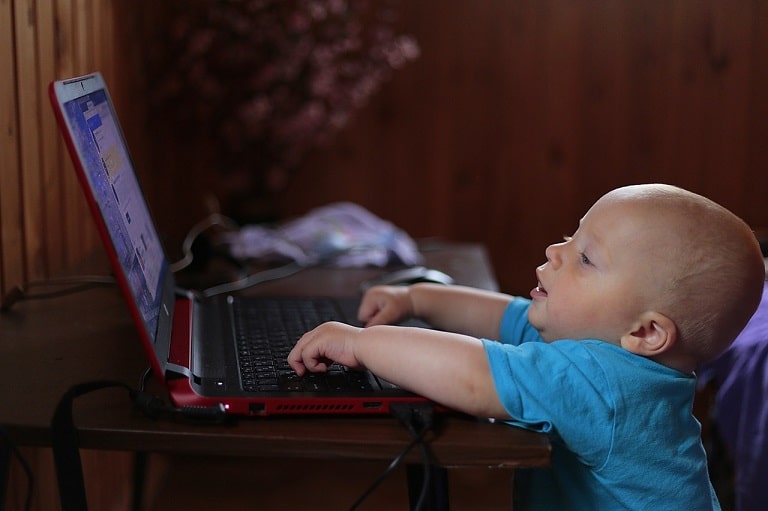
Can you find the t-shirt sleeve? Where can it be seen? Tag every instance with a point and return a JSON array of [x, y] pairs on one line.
[[558, 389]]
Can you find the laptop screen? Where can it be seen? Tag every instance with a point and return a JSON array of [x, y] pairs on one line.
[[109, 170]]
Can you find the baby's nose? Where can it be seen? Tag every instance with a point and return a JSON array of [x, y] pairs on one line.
[[553, 254]]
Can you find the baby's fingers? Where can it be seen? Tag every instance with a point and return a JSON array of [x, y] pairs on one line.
[[300, 358], [320, 347], [380, 306]]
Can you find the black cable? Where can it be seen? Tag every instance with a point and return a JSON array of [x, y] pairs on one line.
[[418, 415], [392, 465], [24, 465], [155, 407], [411, 416], [65, 446], [65, 441], [68, 285], [426, 482]]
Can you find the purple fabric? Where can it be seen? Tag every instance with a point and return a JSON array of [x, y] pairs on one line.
[[741, 375]]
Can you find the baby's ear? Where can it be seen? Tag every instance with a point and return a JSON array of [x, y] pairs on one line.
[[652, 335]]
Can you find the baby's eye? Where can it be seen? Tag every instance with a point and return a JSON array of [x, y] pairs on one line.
[[584, 259]]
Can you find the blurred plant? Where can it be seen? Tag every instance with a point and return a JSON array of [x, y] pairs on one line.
[[268, 80]]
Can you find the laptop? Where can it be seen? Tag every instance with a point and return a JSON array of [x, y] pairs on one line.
[[201, 348]]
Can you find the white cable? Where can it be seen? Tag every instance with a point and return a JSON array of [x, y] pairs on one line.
[[196, 230], [256, 278]]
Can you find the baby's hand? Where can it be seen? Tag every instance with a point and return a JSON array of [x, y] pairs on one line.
[[385, 305], [318, 348]]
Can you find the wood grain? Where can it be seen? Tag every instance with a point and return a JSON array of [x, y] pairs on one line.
[[517, 116]]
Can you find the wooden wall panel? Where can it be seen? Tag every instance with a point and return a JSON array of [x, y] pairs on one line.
[[50, 170], [11, 231], [515, 118], [30, 108], [757, 123], [518, 115], [45, 227]]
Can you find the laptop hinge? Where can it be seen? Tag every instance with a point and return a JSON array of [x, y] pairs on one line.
[[179, 360]]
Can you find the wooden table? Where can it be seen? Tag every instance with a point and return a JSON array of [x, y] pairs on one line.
[[48, 346]]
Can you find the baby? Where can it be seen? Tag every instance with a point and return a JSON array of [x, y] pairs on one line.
[[655, 281]]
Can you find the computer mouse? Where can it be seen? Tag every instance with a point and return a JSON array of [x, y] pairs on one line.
[[408, 276]]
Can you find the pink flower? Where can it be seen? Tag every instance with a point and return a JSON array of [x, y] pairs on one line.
[[270, 79]]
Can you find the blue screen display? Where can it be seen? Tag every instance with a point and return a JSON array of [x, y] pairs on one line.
[[117, 192]]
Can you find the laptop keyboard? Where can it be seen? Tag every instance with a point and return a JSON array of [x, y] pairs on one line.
[[266, 331]]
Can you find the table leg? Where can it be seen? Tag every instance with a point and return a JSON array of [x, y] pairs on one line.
[[5, 471], [139, 478]]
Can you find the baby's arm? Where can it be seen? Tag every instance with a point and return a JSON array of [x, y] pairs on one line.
[[451, 369], [460, 309]]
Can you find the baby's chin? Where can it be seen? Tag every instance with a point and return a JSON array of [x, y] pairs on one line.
[[540, 328]]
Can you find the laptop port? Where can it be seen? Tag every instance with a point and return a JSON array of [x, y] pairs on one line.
[[256, 408]]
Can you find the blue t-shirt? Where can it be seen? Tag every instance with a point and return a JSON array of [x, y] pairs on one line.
[[622, 430]]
